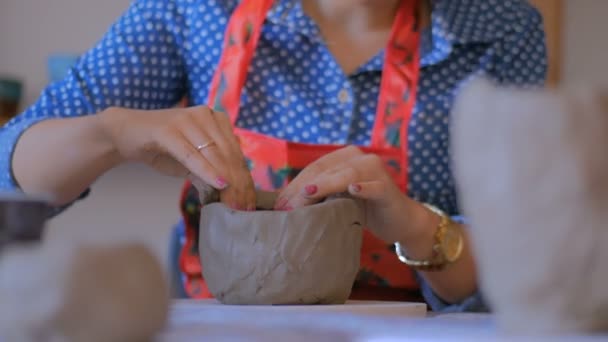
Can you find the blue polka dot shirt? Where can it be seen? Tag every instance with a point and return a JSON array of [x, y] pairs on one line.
[[161, 51]]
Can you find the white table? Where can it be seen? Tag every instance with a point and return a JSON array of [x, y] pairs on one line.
[[192, 321]]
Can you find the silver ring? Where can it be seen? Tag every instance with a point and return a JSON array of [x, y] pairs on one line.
[[204, 146]]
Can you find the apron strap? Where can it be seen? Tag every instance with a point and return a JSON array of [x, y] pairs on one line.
[[389, 135], [240, 41], [398, 85], [399, 76]]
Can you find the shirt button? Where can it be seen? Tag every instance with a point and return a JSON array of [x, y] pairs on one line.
[[343, 96]]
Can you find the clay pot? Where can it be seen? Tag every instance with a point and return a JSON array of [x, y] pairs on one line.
[[532, 167], [309, 255], [65, 290]]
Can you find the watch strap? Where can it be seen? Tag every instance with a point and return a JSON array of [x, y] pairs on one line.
[[437, 260]]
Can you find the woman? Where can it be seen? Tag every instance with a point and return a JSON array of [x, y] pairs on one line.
[[379, 74]]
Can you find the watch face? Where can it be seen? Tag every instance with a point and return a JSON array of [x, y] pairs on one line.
[[452, 243]]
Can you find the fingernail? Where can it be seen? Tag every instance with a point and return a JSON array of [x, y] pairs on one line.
[[310, 189], [221, 182], [355, 187], [280, 203], [251, 208]]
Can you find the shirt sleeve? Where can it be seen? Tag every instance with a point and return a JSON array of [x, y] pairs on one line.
[[520, 61], [474, 303], [135, 65]]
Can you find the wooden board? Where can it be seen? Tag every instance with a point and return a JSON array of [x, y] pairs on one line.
[[552, 17], [357, 307]]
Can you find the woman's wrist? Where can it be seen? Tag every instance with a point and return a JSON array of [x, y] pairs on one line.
[[103, 124], [417, 235]]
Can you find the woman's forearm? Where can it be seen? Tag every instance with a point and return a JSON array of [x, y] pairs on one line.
[[61, 158], [455, 282]]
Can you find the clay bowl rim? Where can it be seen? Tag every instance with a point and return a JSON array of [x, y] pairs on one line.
[[310, 208]]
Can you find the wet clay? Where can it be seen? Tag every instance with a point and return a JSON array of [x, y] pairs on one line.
[[69, 291], [531, 167], [309, 255]]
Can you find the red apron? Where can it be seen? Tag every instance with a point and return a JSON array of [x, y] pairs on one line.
[[274, 162]]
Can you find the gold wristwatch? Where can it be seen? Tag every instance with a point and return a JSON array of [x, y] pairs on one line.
[[446, 249]]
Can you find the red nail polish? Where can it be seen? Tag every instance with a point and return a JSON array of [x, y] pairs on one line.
[[311, 189], [287, 208], [356, 187], [251, 208], [221, 182]]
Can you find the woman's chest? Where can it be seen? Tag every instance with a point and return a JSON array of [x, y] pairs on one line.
[[295, 90]]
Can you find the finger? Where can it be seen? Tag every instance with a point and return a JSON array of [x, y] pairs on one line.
[[330, 161], [241, 194], [199, 137], [243, 190], [226, 131], [238, 199], [182, 150], [360, 168], [320, 166], [329, 183], [373, 190], [216, 131], [225, 155]]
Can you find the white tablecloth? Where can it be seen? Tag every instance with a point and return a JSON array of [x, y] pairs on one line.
[[192, 322]]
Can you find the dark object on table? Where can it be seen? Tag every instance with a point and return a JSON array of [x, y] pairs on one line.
[[10, 96], [22, 219]]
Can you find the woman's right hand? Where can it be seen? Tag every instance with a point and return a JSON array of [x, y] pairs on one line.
[[167, 140]]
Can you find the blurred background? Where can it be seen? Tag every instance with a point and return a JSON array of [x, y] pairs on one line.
[[38, 39]]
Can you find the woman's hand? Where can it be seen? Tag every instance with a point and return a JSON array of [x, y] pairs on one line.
[[196, 142], [391, 215]]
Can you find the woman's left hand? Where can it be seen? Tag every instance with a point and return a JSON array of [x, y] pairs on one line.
[[390, 213]]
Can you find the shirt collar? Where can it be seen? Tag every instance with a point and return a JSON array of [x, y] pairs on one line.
[[462, 22], [476, 21], [453, 22], [289, 13]]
